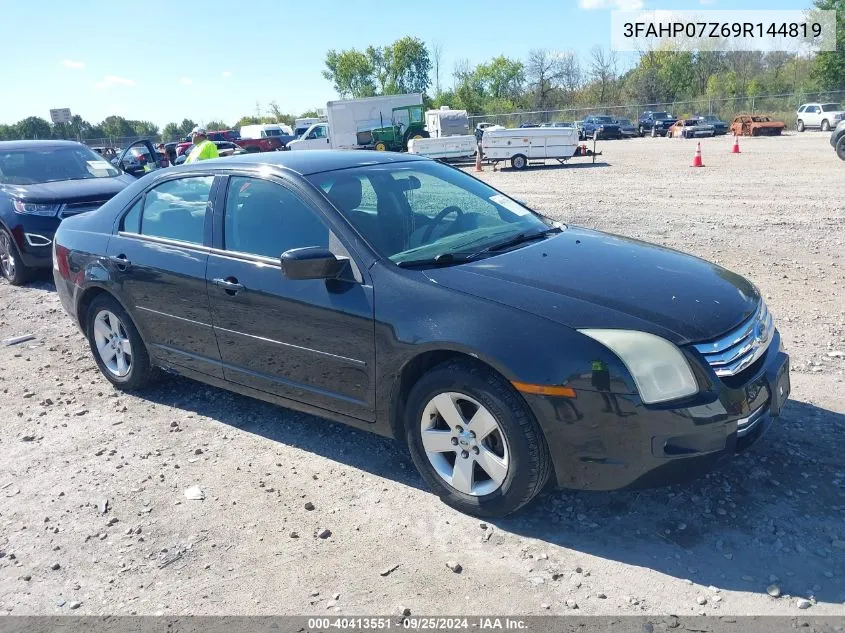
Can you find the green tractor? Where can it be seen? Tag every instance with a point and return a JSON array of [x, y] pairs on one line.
[[407, 122]]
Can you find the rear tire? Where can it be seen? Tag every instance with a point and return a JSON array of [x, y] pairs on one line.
[[110, 330], [519, 162], [516, 446], [11, 264]]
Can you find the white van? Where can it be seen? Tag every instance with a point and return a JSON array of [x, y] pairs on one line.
[[315, 137], [263, 130]]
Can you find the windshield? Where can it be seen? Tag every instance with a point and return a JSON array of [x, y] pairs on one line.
[[625, 122], [710, 117], [421, 210], [32, 166]]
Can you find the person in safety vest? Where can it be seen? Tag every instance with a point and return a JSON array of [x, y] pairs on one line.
[[203, 148]]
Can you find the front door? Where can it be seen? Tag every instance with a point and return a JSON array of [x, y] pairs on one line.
[[311, 341], [317, 138], [159, 258]]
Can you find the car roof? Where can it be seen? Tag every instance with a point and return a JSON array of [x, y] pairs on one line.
[[307, 162], [6, 145]]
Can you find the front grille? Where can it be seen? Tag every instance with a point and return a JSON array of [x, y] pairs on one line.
[[737, 350], [75, 208]]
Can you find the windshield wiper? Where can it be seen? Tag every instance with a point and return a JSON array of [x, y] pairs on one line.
[[515, 240], [443, 259]]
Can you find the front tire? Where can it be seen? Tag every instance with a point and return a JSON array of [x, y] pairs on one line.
[[800, 126], [519, 162], [840, 147], [475, 441], [11, 264], [117, 346], [825, 126]]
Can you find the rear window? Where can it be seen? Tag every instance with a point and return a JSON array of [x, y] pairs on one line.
[[176, 210], [831, 107], [661, 115], [33, 166]]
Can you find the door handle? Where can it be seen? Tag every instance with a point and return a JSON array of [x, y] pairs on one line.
[[230, 285], [120, 261]]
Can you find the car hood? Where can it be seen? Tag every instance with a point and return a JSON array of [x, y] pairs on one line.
[[70, 190], [582, 278]]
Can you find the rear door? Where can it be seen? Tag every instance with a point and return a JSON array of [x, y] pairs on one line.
[[311, 341], [159, 258]]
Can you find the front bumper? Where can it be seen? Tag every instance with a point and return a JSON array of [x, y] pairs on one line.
[[606, 441]]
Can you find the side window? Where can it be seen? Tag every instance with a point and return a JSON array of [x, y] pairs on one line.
[[320, 132], [264, 218], [176, 209], [132, 221], [802, 108]]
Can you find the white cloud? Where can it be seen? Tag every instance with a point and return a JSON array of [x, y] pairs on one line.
[[227, 73], [186, 81], [69, 63], [706, 2], [113, 80], [619, 5]]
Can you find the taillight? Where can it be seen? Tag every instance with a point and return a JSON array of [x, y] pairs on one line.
[[60, 260]]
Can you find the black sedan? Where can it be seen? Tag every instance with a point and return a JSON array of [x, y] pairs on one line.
[[405, 297], [42, 182], [719, 127]]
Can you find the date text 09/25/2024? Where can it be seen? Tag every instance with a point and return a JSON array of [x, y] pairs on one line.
[[420, 623]]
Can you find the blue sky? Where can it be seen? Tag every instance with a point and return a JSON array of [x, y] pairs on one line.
[[113, 57]]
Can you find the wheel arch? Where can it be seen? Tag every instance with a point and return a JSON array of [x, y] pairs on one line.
[[415, 368], [86, 298]]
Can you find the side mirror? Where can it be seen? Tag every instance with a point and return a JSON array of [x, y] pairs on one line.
[[311, 262]]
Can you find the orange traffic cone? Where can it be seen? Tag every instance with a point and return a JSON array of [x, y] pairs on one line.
[[735, 149], [696, 161], [478, 160]]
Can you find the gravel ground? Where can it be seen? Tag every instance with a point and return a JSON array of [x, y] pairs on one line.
[[94, 519]]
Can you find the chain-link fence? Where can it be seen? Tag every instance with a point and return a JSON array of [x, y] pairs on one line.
[[782, 106]]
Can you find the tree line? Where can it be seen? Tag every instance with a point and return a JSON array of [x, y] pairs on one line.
[[544, 80]]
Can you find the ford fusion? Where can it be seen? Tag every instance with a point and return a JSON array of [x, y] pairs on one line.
[[403, 296], [42, 182]]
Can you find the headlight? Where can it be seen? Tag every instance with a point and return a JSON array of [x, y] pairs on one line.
[[659, 369], [29, 208]]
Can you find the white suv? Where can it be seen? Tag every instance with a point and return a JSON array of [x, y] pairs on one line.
[[821, 115]]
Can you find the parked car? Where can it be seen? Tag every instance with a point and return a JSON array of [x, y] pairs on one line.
[[756, 125], [600, 127], [719, 127], [499, 345], [224, 135], [41, 183], [657, 123], [690, 128], [315, 137], [837, 139], [264, 132], [821, 115], [627, 129]]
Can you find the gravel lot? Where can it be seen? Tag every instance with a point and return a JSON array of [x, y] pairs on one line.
[[774, 519]]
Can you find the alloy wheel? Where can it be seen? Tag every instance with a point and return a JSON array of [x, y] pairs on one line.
[[464, 444], [7, 258], [113, 344]]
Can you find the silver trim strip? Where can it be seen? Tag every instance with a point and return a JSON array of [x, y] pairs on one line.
[[164, 240], [291, 345], [43, 241], [173, 316], [745, 425]]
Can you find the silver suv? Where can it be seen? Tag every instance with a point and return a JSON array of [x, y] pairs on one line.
[[821, 115]]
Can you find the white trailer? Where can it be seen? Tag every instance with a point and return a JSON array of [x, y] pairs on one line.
[[446, 122], [348, 117], [523, 145], [444, 148]]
